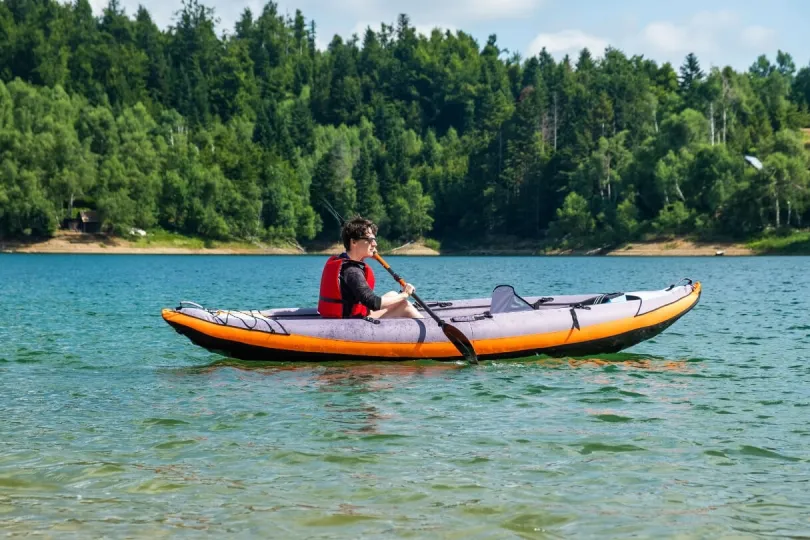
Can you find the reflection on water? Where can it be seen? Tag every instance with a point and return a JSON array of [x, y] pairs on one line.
[[363, 371], [347, 381], [643, 364]]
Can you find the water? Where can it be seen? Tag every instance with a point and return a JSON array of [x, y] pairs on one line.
[[111, 424]]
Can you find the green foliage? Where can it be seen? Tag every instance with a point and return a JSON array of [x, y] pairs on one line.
[[432, 244], [791, 243], [256, 133], [673, 219], [574, 223], [161, 238], [410, 211], [626, 220]]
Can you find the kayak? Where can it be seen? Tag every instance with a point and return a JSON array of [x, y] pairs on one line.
[[506, 325]]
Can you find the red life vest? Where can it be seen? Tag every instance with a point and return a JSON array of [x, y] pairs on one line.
[[330, 302]]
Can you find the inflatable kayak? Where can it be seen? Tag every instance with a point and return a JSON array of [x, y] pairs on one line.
[[505, 325]]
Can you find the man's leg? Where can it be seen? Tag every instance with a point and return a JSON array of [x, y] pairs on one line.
[[384, 312], [403, 309]]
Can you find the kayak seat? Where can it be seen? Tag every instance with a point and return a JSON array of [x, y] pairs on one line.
[[506, 300]]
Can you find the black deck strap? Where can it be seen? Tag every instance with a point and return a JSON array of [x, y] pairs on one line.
[[245, 322], [434, 305], [263, 319], [372, 320], [631, 298], [330, 300], [541, 301], [472, 318], [574, 317], [688, 282]]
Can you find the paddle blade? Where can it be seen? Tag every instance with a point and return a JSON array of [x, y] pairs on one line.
[[461, 342]]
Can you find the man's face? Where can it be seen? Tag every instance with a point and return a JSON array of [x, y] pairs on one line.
[[369, 242]]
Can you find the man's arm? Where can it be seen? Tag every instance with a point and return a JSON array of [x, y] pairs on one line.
[[356, 281]]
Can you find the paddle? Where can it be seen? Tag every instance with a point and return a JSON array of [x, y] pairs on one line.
[[455, 335]]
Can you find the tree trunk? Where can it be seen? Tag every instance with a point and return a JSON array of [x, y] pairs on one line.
[[776, 208], [679, 192], [544, 130], [724, 125], [711, 120], [787, 221]]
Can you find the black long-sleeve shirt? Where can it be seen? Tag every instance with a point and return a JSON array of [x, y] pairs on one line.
[[354, 289]]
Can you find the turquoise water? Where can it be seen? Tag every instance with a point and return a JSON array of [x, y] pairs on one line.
[[114, 425]]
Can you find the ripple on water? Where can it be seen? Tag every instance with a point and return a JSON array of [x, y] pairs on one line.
[[755, 451], [591, 448], [169, 422], [613, 418], [339, 520], [171, 445], [536, 523]]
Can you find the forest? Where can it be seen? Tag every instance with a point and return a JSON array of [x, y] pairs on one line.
[[255, 133]]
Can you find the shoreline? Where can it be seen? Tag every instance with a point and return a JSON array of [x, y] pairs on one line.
[[80, 243], [100, 244]]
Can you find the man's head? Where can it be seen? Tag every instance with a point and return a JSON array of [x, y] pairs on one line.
[[358, 230]]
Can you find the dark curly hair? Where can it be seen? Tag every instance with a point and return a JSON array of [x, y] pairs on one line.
[[355, 229]]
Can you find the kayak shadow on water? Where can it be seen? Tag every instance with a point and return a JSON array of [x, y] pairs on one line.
[[334, 369], [349, 393], [427, 368]]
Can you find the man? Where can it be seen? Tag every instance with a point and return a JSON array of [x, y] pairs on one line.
[[347, 283]]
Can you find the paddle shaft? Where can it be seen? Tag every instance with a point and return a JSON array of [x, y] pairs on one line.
[[401, 281], [456, 336]]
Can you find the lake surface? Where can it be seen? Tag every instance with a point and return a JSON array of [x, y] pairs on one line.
[[113, 425]]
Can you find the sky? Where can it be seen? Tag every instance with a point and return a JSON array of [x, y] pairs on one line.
[[719, 32]]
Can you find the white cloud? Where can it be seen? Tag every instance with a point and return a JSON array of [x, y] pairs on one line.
[[497, 9], [759, 37], [708, 34], [567, 42], [701, 33], [713, 20], [665, 36], [98, 5]]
